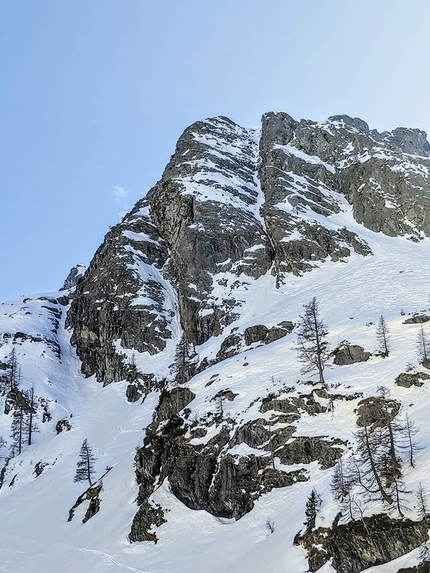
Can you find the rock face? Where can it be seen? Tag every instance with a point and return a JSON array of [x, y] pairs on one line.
[[232, 205], [359, 545], [235, 206], [123, 301], [206, 475], [212, 474]]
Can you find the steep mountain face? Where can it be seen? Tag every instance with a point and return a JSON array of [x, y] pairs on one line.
[[241, 202], [188, 316]]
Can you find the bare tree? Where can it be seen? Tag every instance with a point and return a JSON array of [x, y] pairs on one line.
[[423, 345], [85, 464], [382, 335], [410, 430], [312, 347], [220, 406], [378, 464], [423, 510], [270, 525], [341, 487], [368, 463]]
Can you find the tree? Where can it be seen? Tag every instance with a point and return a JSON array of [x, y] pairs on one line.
[[18, 430], [312, 507], [219, 406], [382, 335], [11, 378], [85, 464], [14, 373], [423, 510], [380, 439], [423, 345], [30, 423], [368, 467], [312, 347], [181, 361], [410, 430], [341, 487]]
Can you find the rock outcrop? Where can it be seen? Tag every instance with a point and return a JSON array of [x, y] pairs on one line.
[[358, 545], [347, 353]]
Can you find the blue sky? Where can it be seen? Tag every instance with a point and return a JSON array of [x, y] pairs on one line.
[[95, 93]]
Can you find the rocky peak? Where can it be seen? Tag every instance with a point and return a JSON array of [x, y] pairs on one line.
[[75, 274], [232, 205], [412, 141]]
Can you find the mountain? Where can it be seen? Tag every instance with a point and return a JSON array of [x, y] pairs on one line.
[[176, 367]]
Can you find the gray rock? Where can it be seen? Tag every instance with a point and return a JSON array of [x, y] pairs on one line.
[[413, 141], [75, 275], [417, 319], [292, 404], [92, 496], [359, 545], [377, 412], [304, 450], [350, 354], [257, 333], [406, 379], [230, 346], [145, 519], [204, 217]]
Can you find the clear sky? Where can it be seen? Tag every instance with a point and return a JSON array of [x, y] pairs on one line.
[[95, 93]]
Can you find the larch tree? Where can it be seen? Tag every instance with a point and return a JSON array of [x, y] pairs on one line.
[[341, 487], [423, 345], [85, 465], [312, 346], [410, 431], [383, 336]]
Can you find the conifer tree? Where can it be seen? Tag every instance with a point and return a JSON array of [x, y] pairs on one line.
[[423, 345], [18, 430], [341, 486], [410, 430], [383, 335], [12, 376], [85, 464], [30, 421], [312, 507], [182, 357], [313, 349]]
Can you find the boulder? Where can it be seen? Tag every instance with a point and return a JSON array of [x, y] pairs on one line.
[[406, 379], [347, 353]]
